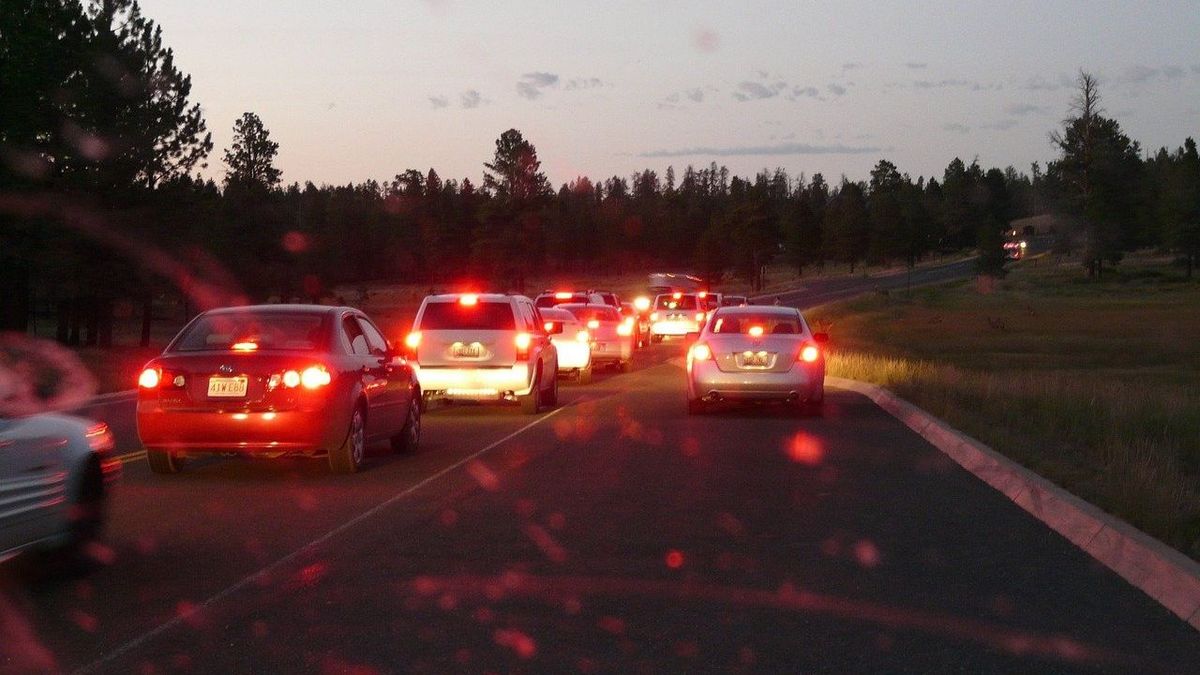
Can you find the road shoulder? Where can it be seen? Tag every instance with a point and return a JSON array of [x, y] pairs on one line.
[[1167, 576]]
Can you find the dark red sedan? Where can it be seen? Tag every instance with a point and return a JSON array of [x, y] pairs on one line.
[[274, 380]]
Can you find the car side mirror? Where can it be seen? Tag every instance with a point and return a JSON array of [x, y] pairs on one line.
[[691, 338], [553, 327], [820, 338]]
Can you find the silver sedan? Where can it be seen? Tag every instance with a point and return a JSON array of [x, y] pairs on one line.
[[756, 353]]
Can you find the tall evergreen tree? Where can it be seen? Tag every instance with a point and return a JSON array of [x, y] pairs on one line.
[[250, 158]]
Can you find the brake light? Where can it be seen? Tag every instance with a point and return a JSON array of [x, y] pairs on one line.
[[756, 331], [548, 326], [700, 352], [593, 324], [699, 316], [625, 329], [468, 300], [809, 353], [562, 295], [641, 304], [522, 341], [315, 376], [291, 379], [583, 336], [677, 295], [149, 378], [411, 342], [703, 294], [654, 316], [244, 346]]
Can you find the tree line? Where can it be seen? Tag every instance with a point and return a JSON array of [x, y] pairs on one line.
[[102, 207]]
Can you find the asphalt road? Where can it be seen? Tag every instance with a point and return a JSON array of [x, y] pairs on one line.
[[615, 533]]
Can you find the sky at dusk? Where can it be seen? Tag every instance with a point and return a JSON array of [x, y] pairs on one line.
[[368, 88]]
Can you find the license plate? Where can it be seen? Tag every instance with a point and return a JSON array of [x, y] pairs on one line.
[[226, 387], [471, 351], [754, 359]]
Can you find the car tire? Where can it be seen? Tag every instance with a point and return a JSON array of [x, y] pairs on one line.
[[163, 461], [86, 523], [348, 457], [552, 395], [623, 366], [655, 339], [696, 407], [531, 403], [409, 438], [585, 375]]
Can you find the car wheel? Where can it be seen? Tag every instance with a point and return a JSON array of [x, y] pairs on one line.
[[656, 339], [623, 367], [696, 406], [348, 457], [409, 437], [86, 520], [585, 375], [531, 402], [163, 461], [552, 395]]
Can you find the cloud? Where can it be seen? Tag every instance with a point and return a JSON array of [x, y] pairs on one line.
[[913, 65], [696, 94], [750, 91], [943, 84], [956, 128], [770, 150], [705, 40], [439, 101], [471, 99], [851, 66], [804, 92], [1172, 72], [584, 83], [1002, 125], [836, 89], [1024, 109], [1139, 74], [531, 84], [1040, 83]]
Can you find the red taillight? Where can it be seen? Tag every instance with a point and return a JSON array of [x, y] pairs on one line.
[[149, 378], [626, 328], [522, 341], [244, 346], [700, 352], [411, 342], [583, 336], [291, 379], [654, 316], [562, 295], [809, 353], [699, 316], [756, 331], [314, 377], [468, 300], [593, 324]]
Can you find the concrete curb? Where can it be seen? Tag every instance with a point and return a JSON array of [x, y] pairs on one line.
[[1158, 570]]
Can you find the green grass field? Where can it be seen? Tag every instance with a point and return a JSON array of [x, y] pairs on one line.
[[1091, 384]]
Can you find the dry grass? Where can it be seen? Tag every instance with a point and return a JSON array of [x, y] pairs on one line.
[[1092, 385]]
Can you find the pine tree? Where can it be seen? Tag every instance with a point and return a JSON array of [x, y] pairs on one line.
[[251, 157]]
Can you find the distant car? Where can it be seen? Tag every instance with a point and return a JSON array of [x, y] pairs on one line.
[[756, 353], [709, 300], [571, 340], [607, 298], [486, 348], [640, 322], [612, 336], [675, 315], [56, 472], [734, 301], [277, 379], [555, 298]]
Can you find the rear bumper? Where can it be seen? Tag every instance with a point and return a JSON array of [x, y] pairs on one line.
[[475, 384], [674, 327], [619, 350], [804, 383], [306, 431]]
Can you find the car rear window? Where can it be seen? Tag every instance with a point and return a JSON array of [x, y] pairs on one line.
[[671, 302], [456, 316], [254, 331], [771, 324], [597, 313]]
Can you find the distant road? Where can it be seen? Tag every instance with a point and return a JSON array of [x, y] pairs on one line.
[[823, 290]]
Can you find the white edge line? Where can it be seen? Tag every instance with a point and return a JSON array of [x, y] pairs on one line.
[[246, 581]]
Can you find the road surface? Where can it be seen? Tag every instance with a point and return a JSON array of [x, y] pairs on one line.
[[614, 534]]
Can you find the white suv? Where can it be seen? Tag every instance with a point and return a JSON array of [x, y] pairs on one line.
[[483, 347]]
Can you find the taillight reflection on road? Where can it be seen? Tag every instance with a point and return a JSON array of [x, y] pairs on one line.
[[805, 449]]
